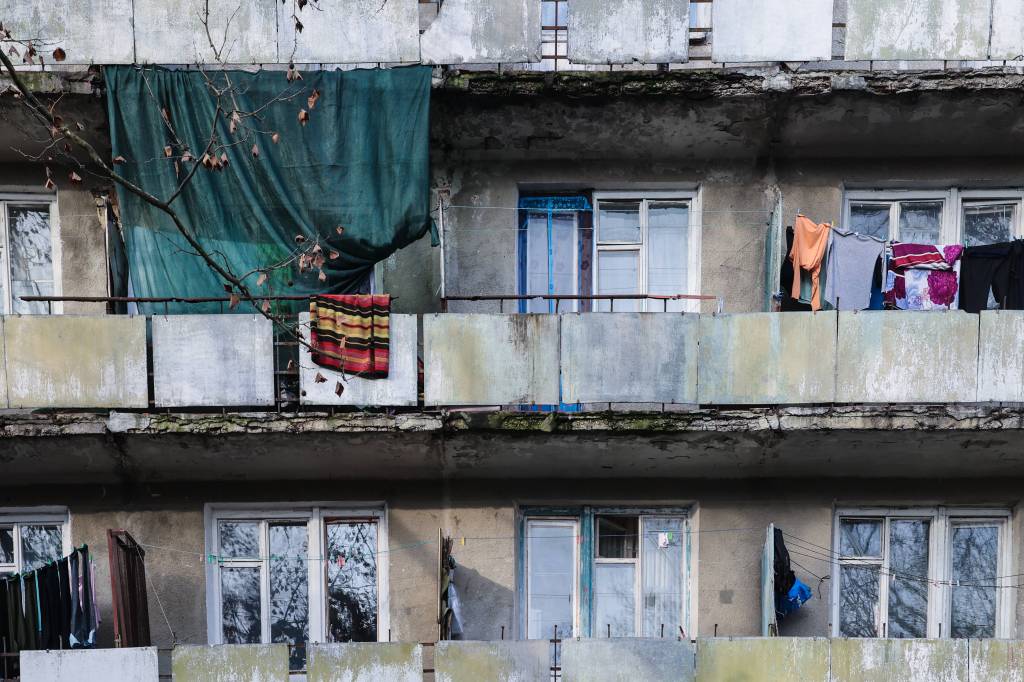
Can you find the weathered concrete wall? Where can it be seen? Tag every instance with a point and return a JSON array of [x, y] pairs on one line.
[[230, 663], [625, 31], [627, 660], [653, 357], [1007, 29], [899, 660], [99, 665], [490, 359], [83, 247], [502, 661], [754, 659], [176, 33], [916, 30], [48, 365], [400, 387], [213, 360], [89, 32], [995, 659], [767, 358], [777, 30], [1000, 363], [365, 662], [483, 32], [355, 31]]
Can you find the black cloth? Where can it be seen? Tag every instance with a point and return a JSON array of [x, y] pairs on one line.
[[49, 601], [63, 573], [788, 303], [83, 616], [993, 268], [784, 576], [31, 612]]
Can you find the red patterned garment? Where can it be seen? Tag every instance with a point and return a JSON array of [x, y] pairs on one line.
[[350, 333]]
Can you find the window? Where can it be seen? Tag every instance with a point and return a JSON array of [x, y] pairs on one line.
[[554, 32], [604, 572], [921, 573], [970, 217], [29, 540], [296, 575], [646, 244], [554, 237], [29, 254]]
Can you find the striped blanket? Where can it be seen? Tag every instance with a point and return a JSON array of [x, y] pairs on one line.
[[349, 333]]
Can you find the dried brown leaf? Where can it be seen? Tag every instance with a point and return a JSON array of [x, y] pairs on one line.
[[262, 279], [319, 378], [233, 301], [275, 138], [187, 156], [59, 55], [316, 248], [303, 116], [340, 229], [236, 120], [224, 159], [322, 277], [75, 177], [313, 98], [333, 255], [265, 307], [255, 151], [118, 160], [291, 365], [298, 25], [228, 288], [318, 261], [299, 238], [168, 151], [206, 161], [50, 184], [338, 388]]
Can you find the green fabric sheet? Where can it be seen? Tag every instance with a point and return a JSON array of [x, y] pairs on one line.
[[361, 162]]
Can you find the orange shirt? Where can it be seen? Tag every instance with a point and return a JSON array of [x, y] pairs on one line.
[[809, 242]]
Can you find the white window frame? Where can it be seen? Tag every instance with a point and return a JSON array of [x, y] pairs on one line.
[[315, 514], [572, 525], [941, 521], [34, 516], [693, 275], [29, 199], [953, 200]]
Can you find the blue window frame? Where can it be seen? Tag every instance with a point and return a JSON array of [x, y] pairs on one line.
[[555, 240]]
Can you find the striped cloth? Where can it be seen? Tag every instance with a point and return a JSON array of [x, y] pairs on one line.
[[349, 333]]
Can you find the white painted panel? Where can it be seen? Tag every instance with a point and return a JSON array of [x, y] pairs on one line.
[[771, 30], [350, 32], [490, 359], [907, 357], [1000, 359], [917, 29], [400, 388], [76, 361], [213, 360], [483, 32], [625, 31], [89, 31], [1007, 29], [629, 358], [174, 33], [96, 665]]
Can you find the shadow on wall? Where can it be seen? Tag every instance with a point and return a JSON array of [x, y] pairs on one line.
[[486, 606]]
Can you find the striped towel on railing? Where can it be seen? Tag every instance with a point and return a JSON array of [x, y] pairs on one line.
[[349, 333]]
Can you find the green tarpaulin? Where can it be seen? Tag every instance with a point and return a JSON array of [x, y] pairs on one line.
[[360, 162]]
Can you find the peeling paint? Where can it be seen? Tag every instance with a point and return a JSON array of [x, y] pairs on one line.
[[626, 31], [483, 32]]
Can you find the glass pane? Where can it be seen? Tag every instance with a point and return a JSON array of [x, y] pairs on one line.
[[537, 260], [662, 577], [614, 600], [858, 601], [908, 583], [667, 252], [975, 551], [617, 273], [860, 537], [988, 224], [240, 605], [619, 221], [870, 219], [289, 588], [31, 257], [617, 536], [920, 222], [563, 236], [550, 577], [240, 539], [39, 545], [548, 14], [352, 582], [6, 545]]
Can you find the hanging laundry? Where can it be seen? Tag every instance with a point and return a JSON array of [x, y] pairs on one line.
[[790, 593], [809, 242], [923, 276], [350, 333], [992, 274], [83, 616], [787, 303], [849, 266]]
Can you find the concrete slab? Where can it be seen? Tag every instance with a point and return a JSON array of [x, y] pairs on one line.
[[213, 360], [350, 32], [173, 33], [899, 660], [400, 388], [487, 359], [502, 661], [627, 660], [89, 31], [483, 32], [767, 358], [230, 663], [918, 29], [365, 662], [76, 361], [996, 659], [907, 357], [1007, 29], [626, 31], [629, 358], [767, 659], [95, 665], [1000, 362], [771, 30]]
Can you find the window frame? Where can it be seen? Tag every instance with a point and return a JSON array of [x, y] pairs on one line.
[[317, 515], [941, 521], [34, 516], [646, 197], [8, 199]]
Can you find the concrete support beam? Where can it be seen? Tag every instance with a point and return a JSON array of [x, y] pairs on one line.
[[350, 32], [365, 662], [771, 30], [483, 32], [85, 665], [627, 660], [626, 31], [899, 660], [175, 32], [918, 29], [503, 661], [230, 663], [728, 659]]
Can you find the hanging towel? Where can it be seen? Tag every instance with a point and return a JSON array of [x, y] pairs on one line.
[[923, 276], [849, 268], [350, 333], [809, 242]]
